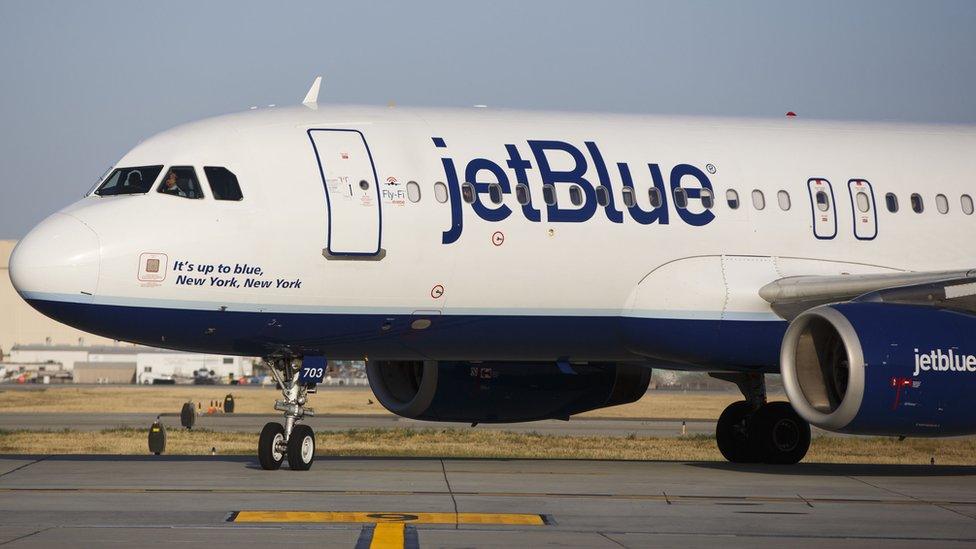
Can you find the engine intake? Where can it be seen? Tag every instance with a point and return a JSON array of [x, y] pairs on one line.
[[502, 392], [823, 368]]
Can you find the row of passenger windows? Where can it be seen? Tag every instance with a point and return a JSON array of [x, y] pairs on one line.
[[523, 196], [680, 196], [941, 203], [178, 181]]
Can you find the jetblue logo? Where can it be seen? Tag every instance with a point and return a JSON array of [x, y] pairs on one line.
[[518, 167], [943, 361]]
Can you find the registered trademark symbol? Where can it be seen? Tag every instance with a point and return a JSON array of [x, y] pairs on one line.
[[437, 291], [498, 238], [711, 168]]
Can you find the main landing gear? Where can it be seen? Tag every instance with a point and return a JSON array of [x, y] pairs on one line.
[[756, 431], [294, 440]]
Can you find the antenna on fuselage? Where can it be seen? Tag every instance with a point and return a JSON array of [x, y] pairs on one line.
[[312, 97]]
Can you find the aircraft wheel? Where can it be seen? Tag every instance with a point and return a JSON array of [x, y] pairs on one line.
[[732, 433], [301, 448], [270, 446], [779, 434]]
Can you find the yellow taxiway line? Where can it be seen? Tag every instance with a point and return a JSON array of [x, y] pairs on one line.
[[390, 530], [388, 535], [401, 518]]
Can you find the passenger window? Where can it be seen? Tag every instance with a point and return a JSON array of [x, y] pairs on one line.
[[467, 192], [440, 192], [495, 193], [680, 198], [707, 199], [783, 198], [892, 202], [732, 197], [758, 199], [917, 205], [628, 196], [413, 191], [223, 183], [967, 204], [522, 194], [549, 194], [823, 201], [576, 195], [602, 195], [942, 203], [863, 202], [654, 195], [181, 181], [129, 181]]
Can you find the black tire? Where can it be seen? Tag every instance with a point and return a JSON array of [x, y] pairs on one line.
[[268, 453], [301, 448], [732, 433], [781, 436], [188, 415]]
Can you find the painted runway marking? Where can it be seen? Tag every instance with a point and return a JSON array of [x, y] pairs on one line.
[[389, 518], [388, 535], [387, 530]]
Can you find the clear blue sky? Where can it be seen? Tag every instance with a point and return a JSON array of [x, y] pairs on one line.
[[82, 82]]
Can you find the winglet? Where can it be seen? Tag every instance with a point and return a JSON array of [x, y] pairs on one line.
[[312, 97]]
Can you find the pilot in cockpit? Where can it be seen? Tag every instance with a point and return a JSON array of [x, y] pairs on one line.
[[134, 181], [170, 186]]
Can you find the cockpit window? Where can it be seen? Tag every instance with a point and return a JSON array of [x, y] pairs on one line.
[[181, 181], [223, 183], [129, 181]]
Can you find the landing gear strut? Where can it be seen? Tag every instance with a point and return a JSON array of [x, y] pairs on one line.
[[294, 440], [756, 431]]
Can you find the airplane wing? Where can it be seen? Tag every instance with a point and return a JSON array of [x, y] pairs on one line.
[[792, 295]]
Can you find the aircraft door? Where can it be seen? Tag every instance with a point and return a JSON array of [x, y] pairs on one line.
[[863, 208], [352, 193], [823, 207]]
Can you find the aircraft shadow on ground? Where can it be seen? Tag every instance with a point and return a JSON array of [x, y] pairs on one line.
[[842, 469]]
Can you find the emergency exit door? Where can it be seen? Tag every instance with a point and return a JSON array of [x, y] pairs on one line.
[[352, 193], [823, 207], [863, 207]]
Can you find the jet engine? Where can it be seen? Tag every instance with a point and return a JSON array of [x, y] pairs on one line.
[[502, 392], [882, 369]]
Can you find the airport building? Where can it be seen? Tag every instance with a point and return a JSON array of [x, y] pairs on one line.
[[122, 364]]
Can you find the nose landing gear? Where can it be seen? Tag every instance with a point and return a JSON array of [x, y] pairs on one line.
[[294, 440], [756, 431]]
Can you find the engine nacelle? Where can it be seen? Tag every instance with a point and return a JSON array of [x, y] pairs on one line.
[[882, 369], [502, 392]]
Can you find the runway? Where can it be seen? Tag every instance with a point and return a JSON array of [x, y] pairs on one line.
[[104, 501], [254, 422]]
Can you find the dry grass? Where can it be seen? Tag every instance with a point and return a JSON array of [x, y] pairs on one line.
[[672, 405], [485, 444], [155, 400]]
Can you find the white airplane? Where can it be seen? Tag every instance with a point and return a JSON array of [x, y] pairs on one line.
[[502, 266]]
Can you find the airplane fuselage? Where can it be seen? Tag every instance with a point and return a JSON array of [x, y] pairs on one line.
[[331, 252]]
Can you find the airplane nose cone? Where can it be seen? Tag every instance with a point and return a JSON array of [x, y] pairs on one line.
[[59, 256]]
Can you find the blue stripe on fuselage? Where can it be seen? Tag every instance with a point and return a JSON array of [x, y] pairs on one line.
[[667, 342]]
